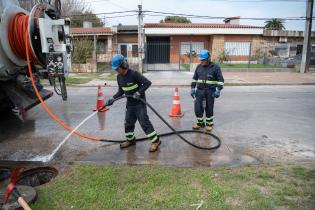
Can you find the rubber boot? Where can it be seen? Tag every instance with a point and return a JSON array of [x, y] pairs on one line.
[[127, 143], [209, 128], [197, 126], [155, 145]]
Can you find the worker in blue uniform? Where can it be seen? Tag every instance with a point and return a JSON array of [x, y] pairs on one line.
[[206, 85], [133, 83]]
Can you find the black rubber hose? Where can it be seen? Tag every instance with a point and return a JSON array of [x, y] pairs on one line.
[[174, 131]]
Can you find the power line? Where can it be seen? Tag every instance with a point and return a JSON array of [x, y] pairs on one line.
[[213, 17], [116, 5], [266, 1], [108, 17], [120, 16], [148, 13], [85, 3], [104, 13]]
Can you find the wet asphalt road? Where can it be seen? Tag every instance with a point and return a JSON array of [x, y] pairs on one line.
[[255, 123]]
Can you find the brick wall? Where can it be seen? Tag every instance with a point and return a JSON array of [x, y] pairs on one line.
[[127, 38], [89, 67], [104, 58], [175, 42], [217, 46]]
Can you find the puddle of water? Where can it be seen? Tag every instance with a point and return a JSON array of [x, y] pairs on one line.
[[49, 157], [172, 152]]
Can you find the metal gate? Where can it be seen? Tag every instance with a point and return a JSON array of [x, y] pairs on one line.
[[162, 55]]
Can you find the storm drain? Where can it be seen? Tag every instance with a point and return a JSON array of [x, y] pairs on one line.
[[37, 176]]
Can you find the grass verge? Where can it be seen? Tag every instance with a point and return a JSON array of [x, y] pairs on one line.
[[245, 65], [156, 187], [82, 78]]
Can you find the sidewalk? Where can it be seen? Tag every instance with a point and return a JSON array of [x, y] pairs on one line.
[[173, 78]]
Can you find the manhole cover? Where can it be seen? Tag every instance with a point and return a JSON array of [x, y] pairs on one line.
[[37, 176]]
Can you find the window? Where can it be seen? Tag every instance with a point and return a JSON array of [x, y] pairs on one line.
[[123, 50], [293, 48], [134, 50], [101, 46], [128, 49], [299, 49], [282, 50], [237, 48], [195, 46]]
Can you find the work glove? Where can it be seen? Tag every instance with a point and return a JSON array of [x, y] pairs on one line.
[[136, 95], [193, 93], [109, 102], [216, 93]]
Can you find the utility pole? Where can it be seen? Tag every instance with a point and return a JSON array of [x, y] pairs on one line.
[[307, 37], [140, 47]]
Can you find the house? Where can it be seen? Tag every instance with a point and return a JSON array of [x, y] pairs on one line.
[[175, 46], [107, 41], [289, 44], [126, 41], [180, 42], [102, 45]]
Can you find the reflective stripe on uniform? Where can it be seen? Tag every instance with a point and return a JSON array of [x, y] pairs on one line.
[[130, 87], [209, 119], [130, 138], [151, 134], [210, 82], [129, 134], [199, 119], [154, 139]]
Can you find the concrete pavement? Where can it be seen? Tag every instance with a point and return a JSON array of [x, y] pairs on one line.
[[175, 78], [255, 123]]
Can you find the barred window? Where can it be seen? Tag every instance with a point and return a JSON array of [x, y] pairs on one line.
[[237, 48], [195, 46], [134, 50], [282, 50]]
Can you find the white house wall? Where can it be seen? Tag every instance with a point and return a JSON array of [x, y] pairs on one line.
[[203, 31]]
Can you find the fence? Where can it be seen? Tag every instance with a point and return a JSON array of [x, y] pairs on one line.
[[230, 55], [183, 56]]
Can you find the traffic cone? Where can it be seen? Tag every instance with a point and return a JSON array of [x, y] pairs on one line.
[[100, 101], [176, 109]]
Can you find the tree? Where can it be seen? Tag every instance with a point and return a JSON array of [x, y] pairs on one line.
[[79, 11], [175, 19], [224, 57], [77, 20], [82, 51], [275, 24]]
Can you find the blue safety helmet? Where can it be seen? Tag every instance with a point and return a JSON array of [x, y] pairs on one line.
[[119, 61], [204, 54]]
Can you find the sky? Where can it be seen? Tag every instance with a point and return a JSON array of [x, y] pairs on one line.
[[216, 8]]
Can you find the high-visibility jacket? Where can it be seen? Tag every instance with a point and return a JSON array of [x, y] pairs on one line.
[[208, 77], [130, 83]]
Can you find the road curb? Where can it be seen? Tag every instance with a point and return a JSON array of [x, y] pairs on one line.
[[188, 85]]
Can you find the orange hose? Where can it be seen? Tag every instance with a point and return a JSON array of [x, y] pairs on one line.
[[17, 27], [17, 39]]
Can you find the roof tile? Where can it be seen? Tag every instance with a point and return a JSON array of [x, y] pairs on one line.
[[96, 30], [196, 25]]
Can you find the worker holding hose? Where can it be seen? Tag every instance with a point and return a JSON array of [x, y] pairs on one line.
[[132, 83], [206, 85]]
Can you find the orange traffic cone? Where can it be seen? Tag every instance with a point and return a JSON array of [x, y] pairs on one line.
[[176, 110], [100, 101]]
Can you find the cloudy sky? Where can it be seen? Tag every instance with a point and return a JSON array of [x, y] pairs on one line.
[[214, 8]]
